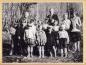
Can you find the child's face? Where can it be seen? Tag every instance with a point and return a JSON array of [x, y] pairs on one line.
[[40, 28], [50, 29], [39, 22], [24, 23], [46, 21], [26, 14], [65, 16], [63, 27], [56, 23]]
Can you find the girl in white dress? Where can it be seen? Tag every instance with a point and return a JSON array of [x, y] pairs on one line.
[[41, 40]]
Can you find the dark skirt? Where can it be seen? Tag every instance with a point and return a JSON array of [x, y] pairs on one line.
[[52, 39], [75, 36]]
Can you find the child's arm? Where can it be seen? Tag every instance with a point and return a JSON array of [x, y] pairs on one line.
[[67, 38], [79, 21], [36, 38], [45, 38], [24, 35]]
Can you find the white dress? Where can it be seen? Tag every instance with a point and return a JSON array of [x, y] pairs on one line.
[[30, 33]]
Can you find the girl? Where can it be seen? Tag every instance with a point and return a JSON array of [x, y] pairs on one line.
[[56, 36], [75, 33], [41, 40], [29, 37]]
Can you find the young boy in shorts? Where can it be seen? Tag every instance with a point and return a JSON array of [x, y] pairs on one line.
[[63, 40]]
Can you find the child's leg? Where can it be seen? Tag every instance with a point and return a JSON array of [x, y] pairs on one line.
[[68, 49], [39, 51], [54, 50], [42, 51], [28, 49], [11, 52], [57, 47], [75, 44], [51, 52], [66, 53], [78, 45], [61, 52], [31, 51]]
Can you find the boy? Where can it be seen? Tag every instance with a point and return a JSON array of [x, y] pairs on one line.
[[63, 40], [29, 37]]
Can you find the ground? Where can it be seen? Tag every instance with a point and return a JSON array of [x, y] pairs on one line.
[[72, 58]]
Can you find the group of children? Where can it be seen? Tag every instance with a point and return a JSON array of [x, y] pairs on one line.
[[52, 35]]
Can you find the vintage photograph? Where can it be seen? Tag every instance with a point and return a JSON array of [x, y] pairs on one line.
[[42, 32]]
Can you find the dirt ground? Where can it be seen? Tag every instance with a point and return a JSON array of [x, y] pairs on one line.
[[72, 58]]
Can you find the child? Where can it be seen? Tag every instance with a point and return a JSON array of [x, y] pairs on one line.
[[75, 33], [56, 36], [41, 40], [12, 32], [29, 37], [67, 24], [50, 41], [63, 40]]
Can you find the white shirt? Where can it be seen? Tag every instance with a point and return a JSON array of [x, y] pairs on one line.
[[63, 34], [67, 23], [30, 33]]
